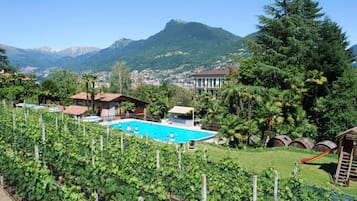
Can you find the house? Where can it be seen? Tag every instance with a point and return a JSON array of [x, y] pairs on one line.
[[106, 105], [210, 81]]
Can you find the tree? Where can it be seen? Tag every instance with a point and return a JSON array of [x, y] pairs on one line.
[[210, 110], [300, 55], [3, 58], [237, 130], [338, 110], [120, 80], [49, 91], [89, 81], [158, 109], [127, 106], [182, 97], [232, 94], [67, 83], [290, 36], [4, 62]]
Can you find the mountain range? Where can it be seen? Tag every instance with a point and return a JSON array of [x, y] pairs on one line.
[[180, 44], [43, 57]]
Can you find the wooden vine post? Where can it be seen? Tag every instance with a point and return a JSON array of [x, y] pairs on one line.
[[108, 131], [93, 152], [43, 141], [122, 142], [204, 188], [37, 154], [255, 187], [25, 113], [64, 126], [43, 134], [158, 159], [40, 120], [204, 152], [179, 160], [2, 181], [14, 128], [96, 196], [295, 169], [84, 130], [93, 164], [13, 120], [276, 186], [101, 145], [56, 123]]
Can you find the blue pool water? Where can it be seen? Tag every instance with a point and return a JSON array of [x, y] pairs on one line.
[[91, 118], [161, 132]]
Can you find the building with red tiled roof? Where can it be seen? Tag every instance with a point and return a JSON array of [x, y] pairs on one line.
[[107, 105], [210, 81], [76, 110]]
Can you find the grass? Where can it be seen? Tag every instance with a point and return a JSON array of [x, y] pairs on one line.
[[319, 172]]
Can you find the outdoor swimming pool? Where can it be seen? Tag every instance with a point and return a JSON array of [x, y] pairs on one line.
[[92, 118], [160, 132]]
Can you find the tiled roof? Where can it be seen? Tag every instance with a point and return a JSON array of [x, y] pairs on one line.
[[82, 96], [105, 97], [215, 72], [76, 110]]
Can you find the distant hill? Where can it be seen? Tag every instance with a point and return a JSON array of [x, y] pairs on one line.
[[179, 44]]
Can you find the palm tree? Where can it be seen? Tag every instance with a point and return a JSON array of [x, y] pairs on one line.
[[271, 111], [89, 80], [85, 79], [93, 80], [253, 93], [232, 96]]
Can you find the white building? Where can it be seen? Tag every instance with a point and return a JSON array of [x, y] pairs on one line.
[[210, 81]]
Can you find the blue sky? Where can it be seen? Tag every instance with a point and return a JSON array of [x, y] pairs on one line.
[[64, 23]]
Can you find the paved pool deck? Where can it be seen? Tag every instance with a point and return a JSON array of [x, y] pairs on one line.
[[4, 196]]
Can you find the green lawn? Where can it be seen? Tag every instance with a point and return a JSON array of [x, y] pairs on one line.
[[318, 172]]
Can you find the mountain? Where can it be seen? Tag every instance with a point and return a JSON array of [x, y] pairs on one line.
[[121, 43], [45, 50], [76, 51], [179, 44], [41, 57]]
